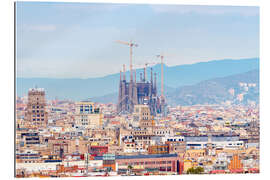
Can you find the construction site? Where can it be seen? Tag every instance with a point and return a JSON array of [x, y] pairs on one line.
[[143, 91]]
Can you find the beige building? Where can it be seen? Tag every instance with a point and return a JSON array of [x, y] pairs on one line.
[[163, 131], [87, 115], [142, 114], [36, 108]]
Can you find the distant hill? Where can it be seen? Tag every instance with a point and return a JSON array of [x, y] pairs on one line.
[[175, 76], [109, 98], [215, 91]]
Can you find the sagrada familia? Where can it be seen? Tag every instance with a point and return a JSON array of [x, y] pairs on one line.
[[143, 92]]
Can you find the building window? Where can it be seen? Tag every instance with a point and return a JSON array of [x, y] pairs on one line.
[[33, 107], [91, 108], [162, 168]]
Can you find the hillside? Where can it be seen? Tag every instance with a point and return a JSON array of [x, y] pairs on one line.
[[175, 76], [216, 91]]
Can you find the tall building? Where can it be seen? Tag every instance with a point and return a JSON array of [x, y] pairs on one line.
[[36, 107], [253, 132], [133, 93], [87, 115], [143, 115]]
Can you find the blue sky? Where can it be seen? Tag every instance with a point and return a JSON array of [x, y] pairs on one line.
[[77, 40]]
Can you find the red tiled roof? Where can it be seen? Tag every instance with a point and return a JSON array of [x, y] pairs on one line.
[[217, 171], [237, 170]]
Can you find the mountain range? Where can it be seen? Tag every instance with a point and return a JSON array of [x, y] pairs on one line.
[[212, 91], [176, 80], [216, 91]]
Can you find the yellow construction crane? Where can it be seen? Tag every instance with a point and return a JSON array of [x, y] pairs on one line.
[[131, 45]]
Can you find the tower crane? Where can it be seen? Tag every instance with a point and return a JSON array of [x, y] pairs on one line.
[[131, 45], [162, 97], [161, 56]]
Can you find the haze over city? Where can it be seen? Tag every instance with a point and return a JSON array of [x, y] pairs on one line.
[[77, 40]]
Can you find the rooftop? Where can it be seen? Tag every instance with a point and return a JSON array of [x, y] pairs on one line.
[[37, 89], [141, 156]]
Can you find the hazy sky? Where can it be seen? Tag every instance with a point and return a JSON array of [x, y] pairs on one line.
[[77, 40]]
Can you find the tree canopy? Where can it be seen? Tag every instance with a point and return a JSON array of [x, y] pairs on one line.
[[197, 170]]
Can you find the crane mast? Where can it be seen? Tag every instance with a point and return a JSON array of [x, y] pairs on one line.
[[131, 45], [162, 76], [130, 65], [162, 97]]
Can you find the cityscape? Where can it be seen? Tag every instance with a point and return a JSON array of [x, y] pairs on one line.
[[143, 127]]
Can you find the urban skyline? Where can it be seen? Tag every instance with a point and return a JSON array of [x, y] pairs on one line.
[[207, 121]]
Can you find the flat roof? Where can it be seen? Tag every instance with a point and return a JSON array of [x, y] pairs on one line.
[[141, 156]]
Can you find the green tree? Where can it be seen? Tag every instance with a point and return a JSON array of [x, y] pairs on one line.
[[129, 169], [197, 170]]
